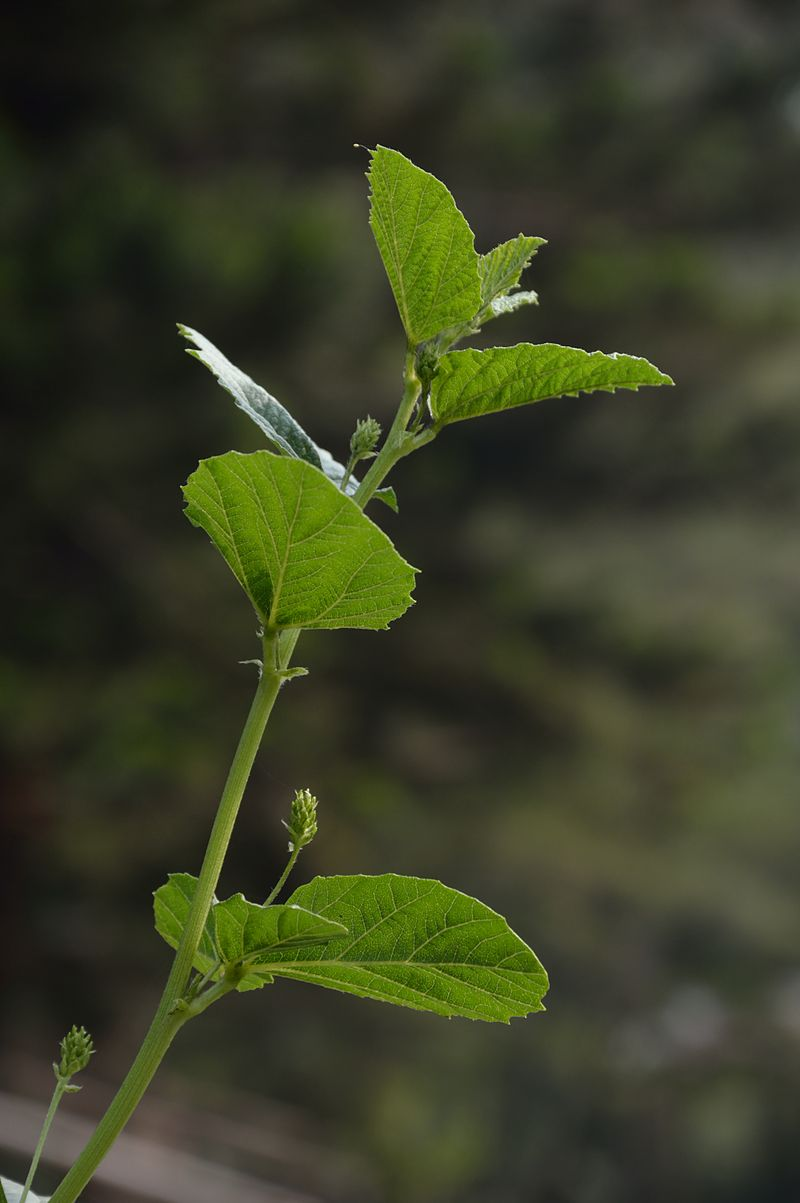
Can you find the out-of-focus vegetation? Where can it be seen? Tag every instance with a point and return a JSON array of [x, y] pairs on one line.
[[592, 721]]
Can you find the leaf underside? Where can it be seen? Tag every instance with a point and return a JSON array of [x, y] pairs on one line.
[[11, 1192], [284, 433], [509, 303], [471, 383], [427, 247], [417, 943], [303, 552], [238, 931]]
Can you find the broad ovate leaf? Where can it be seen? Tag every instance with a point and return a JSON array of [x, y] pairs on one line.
[[303, 552], [501, 269], [417, 943], [470, 383], [427, 247], [284, 433], [11, 1192]]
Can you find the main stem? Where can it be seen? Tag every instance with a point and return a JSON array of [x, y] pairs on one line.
[[170, 1017]]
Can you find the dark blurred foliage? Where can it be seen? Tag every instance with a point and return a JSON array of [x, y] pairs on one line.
[[590, 720]]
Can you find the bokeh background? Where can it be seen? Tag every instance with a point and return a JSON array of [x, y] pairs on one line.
[[590, 719]]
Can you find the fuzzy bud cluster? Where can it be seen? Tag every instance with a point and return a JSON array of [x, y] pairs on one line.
[[76, 1049], [302, 825], [364, 438]]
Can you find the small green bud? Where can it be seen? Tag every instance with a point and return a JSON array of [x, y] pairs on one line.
[[364, 438], [302, 825], [76, 1049], [427, 363]]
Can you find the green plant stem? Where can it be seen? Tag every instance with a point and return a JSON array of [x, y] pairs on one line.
[[58, 1094], [281, 882], [170, 1017], [397, 443], [201, 1003]]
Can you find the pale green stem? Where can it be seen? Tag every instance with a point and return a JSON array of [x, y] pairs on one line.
[[172, 1011], [169, 1017], [198, 1005], [397, 443], [58, 1094], [284, 877]]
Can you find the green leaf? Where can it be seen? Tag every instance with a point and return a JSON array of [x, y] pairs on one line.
[[237, 931], [11, 1192], [303, 552], [171, 903], [501, 269], [284, 433], [471, 383], [426, 246], [287, 436], [246, 931], [415, 942]]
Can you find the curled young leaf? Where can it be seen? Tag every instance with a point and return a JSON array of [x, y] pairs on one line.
[[502, 267]]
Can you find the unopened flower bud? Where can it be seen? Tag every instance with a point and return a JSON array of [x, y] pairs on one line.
[[364, 438], [302, 825], [76, 1049]]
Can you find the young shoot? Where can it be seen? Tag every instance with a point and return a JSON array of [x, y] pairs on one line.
[[289, 521]]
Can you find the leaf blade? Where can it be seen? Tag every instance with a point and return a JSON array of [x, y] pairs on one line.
[[483, 972], [303, 552], [427, 247], [282, 430], [501, 268], [246, 931], [237, 931], [171, 905], [472, 383], [286, 435]]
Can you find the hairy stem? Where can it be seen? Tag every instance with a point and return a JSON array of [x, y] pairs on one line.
[[170, 1017]]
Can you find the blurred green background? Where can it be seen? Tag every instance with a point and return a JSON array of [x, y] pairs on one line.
[[590, 720]]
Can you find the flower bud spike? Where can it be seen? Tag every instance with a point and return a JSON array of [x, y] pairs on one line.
[[302, 825], [77, 1048], [364, 438]]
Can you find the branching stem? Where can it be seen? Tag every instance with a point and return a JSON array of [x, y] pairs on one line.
[[173, 1009]]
